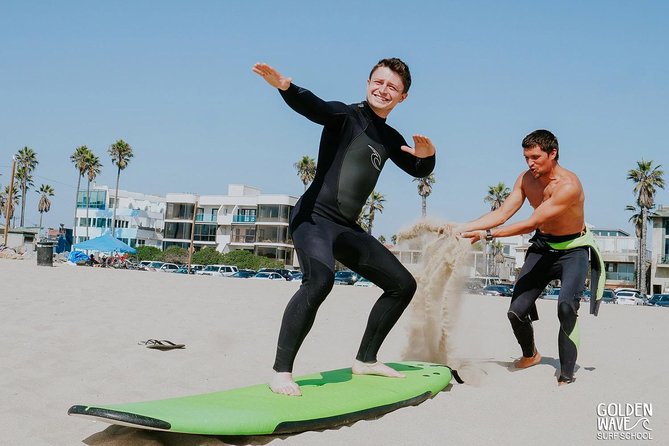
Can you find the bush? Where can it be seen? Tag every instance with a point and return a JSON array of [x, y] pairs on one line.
[[175, 254], [207, 256], [247, 260], [148, 253]]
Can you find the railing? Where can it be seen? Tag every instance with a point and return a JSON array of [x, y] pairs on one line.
[[243, 239], [205, 218], [663, 259], [624, 277], [243, 218]]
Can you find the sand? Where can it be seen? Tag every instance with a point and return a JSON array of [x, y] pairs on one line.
[[70, 336]]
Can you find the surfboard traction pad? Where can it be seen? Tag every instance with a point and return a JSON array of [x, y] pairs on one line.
[[437, 377]]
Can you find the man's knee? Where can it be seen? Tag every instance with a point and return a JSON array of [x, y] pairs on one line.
[[566, 312], [319, 281], [516, 320]]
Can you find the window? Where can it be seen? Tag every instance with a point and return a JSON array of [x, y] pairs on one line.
[[272, 234], [97, 199], [177, 230], [180, 211], [205, 233], [273, 212]]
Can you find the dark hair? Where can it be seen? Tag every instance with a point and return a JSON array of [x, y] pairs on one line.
[[398, 67], [544, 139]]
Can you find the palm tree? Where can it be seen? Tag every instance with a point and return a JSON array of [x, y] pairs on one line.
[[78, 158], [93, 169], [26, 161], [424, 190], [374, 204], [306, 170], [646, 178], [120, 153], [13, 202], [496, 195], [635, 219], [44, 205], [24, 181]]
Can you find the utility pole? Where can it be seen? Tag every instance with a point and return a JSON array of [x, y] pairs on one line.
[[192, 237]]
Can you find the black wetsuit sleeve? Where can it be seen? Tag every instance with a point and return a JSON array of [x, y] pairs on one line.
[[312, 107], [414, 166]]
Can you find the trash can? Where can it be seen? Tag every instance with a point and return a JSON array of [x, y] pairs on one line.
[[45, 253]]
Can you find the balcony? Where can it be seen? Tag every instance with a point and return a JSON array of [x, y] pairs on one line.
[[620, 277], [248, 239], [244, 219], [205, 218], [663, 261]]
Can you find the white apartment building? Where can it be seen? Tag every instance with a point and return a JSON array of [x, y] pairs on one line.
[[659, 260], [245, 218], [139, 217], [619, 251]]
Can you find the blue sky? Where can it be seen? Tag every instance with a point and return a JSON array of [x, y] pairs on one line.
[[174, 80]]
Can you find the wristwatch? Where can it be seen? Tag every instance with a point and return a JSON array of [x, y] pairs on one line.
[[488, 235]]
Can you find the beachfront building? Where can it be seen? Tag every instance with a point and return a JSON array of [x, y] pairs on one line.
[[620, 252], [245, 218], [659, 260], [504, 257], [139, 217]]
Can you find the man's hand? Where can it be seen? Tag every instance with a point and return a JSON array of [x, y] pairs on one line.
[[271, 76], [422, 148], [474, 236]]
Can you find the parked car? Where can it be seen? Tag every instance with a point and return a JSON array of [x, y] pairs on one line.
[[585, 297], [153, 266], [628, 298], [362, 282], [609, 297], [218, 270], [267, 275], [552, 294], [168, 267], [659, 300], [285, 273], [346, 278], [183, 269], [497, 290], [243, 274], [296, 276]]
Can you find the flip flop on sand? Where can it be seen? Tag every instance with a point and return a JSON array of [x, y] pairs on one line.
[[162, 344]]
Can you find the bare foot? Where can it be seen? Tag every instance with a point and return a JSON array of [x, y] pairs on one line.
[[376, 368], [564, 381], [283, 383], [526, 362]]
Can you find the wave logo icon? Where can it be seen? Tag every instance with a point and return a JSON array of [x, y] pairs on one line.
[[645, 423], [376, 158]]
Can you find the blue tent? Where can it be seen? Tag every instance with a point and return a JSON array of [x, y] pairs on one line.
[[105, 243]]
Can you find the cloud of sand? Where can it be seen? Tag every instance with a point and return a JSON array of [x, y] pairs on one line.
[[441, 282]]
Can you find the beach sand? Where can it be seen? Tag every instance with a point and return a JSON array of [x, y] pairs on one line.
[[70, 336]]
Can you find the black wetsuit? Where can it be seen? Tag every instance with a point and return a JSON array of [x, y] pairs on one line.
[[355, 144], [543, 264]]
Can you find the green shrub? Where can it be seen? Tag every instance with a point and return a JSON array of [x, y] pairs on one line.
[[148, 253]]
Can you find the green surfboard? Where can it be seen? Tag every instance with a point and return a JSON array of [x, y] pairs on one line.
[[328, 399]]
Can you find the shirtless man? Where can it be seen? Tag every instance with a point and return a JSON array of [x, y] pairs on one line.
[[559, 248], [355, 144]]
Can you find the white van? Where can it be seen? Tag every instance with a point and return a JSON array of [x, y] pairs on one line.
[[218, 270]]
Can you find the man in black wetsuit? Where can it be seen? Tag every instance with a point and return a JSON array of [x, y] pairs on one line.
[[559, 248], [355, 144]]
